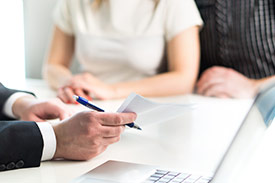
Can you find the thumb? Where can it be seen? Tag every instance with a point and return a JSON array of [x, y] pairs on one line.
[[64, 115], [35, 118]]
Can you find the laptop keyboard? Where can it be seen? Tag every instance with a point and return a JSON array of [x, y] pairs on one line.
[[162, 176]]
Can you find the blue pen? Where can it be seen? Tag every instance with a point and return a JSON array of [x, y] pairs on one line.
[[88, 104]]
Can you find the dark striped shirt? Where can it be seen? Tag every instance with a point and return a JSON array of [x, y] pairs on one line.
[[239, 34]]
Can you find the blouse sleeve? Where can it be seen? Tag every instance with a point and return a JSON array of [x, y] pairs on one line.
[[180, 15], [63, 16]]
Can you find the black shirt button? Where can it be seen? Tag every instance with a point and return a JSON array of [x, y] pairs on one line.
[[19, 164], [11, 166], [2, 167]]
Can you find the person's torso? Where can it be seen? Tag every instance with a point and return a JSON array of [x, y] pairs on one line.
[[120, 40]]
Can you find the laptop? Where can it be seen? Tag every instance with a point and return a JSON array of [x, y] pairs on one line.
[[247, 137]]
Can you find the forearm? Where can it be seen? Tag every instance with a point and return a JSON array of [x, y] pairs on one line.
[[171, 83], [56, 75], [56, 70], [260, 82], [183, 64]]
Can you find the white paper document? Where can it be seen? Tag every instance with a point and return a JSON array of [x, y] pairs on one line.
[[149, 112]]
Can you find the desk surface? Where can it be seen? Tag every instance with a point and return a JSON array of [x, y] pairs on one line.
[[193, 142]]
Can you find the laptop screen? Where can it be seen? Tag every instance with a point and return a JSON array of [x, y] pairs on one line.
[[250, 133]]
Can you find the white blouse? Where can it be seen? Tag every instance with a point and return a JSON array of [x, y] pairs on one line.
[[124, 40]]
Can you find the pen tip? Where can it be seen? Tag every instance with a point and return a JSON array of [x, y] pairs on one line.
[[137, 127], [75, 97]]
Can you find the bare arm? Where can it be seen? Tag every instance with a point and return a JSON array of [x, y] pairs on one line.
[[56, 68], [183, 65], [260, 82]]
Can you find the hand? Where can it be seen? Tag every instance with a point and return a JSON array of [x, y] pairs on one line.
[[86, 85], [30, 109], [224, 82], [87, 134]]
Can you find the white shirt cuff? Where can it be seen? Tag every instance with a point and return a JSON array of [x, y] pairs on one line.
[[49, 139], [7, 110]]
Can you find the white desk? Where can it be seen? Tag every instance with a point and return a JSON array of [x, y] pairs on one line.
[[193, 142]]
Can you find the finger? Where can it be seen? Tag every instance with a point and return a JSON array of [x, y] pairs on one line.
[[111, 131], [61, 110], [204, 77], [110, 140], [49, 115], [212, 72], [57, 111], [215, 90], [68, 93], [213, 80], [102, 149], [81, 93], [83, 90], [96, 151], [34, 118], [61, 95], [223, 95], [116, 119], [64, 115]]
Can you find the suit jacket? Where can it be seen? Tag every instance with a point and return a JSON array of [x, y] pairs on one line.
[[21, 142], [238, 35]]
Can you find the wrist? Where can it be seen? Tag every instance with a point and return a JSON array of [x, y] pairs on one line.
[[256, 84], [58, 151], [57, 75], [21, 104]]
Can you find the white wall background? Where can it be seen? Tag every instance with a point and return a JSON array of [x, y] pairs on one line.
[[38, 18], [12, 66], [25, 33], [38, 29]]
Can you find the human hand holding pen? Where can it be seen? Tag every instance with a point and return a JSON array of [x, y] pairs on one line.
[[88, 104], [87, 134]]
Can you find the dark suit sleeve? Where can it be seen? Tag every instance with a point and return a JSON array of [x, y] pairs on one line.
[[5, 93], [21, 145], [21, 142]]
